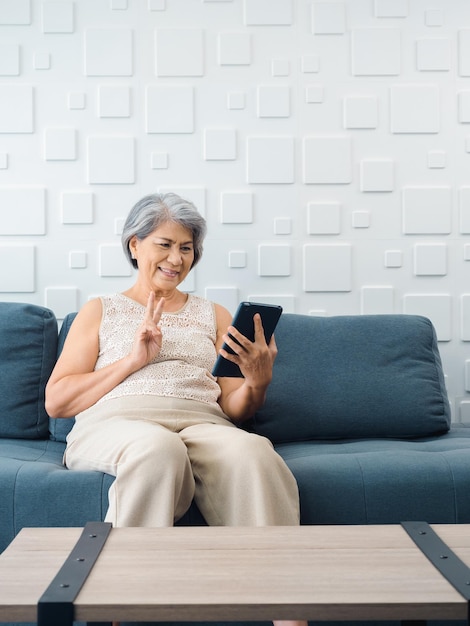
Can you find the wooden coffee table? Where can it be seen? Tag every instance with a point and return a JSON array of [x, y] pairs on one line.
[[235, 574]]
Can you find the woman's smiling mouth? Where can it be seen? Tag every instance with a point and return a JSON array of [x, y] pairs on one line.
[[169, 273]]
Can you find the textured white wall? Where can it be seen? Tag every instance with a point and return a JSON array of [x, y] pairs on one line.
[[326, 142]]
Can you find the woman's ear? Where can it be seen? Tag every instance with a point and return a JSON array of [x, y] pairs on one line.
[[133, 246]]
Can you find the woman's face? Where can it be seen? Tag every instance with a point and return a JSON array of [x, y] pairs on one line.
[[164, 257]]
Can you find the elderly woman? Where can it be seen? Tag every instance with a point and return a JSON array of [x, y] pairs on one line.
[[135, 370]]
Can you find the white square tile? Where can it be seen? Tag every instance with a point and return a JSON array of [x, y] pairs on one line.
[[376, 51], [466, 252], [323, 218], [327, 160], [335, 263], [108, 52], [159, 160], [9, 59], [328, 18], [77, 207], [236, 207], [236, 100], [111, 160], [273, 101], [437, 159], [391, 8], [314, 94], [15, 12], [169, 109], [42, 60], [436, 307], [463, 52], [274, 260], [415, 108], [465, 320], [76, 100], [234, 48], [57, 17], [270, 160], [430, 259], [464, 210], [377, 300], [78, 260], [114, 101], [282, 226], [433, 55], [360, 112], [220, 144], [377, 175], [22, 258], [434, 17], [267, 12], [174, 59], [464, 107], [360, 219], [427, 210], [26, 213], [112, 261], [393, 258], [237, 258], [60, 144]]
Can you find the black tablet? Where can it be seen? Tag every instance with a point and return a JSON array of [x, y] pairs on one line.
[[243, 321]]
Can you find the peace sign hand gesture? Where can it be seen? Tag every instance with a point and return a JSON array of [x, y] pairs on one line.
[[148, 338]]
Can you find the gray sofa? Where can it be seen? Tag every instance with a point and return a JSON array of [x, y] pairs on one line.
[[357, 408]]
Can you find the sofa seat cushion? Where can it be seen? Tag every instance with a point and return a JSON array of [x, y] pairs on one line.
[[28, 356], [348, 377], [376, 481], [37, 490]]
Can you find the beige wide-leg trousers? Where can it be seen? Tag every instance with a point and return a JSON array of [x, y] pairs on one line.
[[164, 452]]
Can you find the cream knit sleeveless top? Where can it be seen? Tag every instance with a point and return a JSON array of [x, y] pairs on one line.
[[182, 369]]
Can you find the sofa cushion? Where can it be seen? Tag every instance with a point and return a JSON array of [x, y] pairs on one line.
[[28, 354], [383, 481], [348, 377], [60, 427]]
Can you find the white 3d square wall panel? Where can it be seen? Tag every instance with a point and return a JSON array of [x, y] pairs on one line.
[[16, 108], [9, 60], [327, 143], [23, 211], [109, 52]]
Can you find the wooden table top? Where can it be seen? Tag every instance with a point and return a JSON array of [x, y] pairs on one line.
[[220, 573]]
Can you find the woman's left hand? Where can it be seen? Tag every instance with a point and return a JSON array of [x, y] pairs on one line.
[[254, 358]]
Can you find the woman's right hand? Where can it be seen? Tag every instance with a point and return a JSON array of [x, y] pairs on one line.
[[148, 338]]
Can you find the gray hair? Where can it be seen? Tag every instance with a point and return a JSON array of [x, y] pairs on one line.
[[156, 209]]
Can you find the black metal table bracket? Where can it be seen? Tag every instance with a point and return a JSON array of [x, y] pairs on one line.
[[454, 570], [56, 605]]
